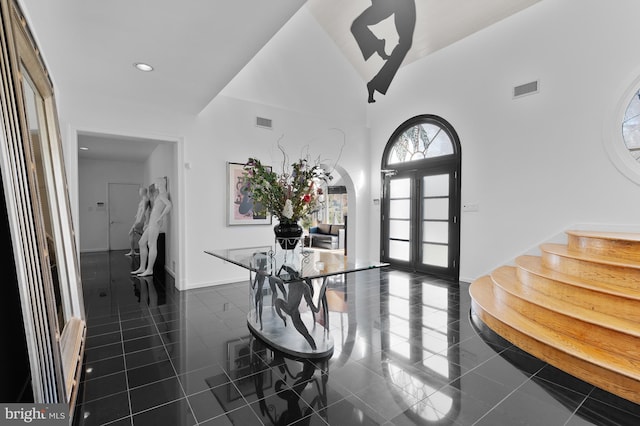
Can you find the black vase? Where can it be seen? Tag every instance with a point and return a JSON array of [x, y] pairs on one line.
[[288, 234]]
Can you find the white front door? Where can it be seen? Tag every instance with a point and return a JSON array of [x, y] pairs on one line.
[[123, 206]]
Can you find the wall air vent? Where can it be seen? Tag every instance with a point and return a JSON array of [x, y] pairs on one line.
[[526, 89], [265, 123]]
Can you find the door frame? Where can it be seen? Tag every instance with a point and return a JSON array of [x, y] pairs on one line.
[[178, 191], [416, 170]]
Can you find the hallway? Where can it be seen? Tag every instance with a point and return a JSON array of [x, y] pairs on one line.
[[406, 352]]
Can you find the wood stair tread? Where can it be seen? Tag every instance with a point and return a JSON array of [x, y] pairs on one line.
[[534, 265], [618, 236], [575, 307], [564, 251], [482, 293], [617, 245], [506, 277]]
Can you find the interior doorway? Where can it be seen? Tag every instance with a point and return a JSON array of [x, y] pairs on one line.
[[339, 209], [108, 162]]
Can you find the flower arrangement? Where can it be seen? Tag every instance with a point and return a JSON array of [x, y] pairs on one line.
[[291, 195]]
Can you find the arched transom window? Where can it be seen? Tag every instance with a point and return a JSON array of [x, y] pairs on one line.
[[421, 141]]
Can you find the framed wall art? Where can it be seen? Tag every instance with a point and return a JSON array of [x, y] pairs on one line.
[[240, 208]]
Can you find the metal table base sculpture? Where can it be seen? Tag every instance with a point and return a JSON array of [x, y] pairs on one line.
[[297, 304]]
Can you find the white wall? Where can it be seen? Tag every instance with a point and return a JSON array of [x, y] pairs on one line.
[[95, 176], [535, 165], [301, 69], [226, 125], [301, 82]]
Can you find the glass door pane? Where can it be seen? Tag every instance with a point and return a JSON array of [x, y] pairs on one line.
[[399, 242], [34, 108], [435, 220]]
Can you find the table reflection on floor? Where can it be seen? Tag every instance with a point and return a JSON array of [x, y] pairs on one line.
[[285, 389]]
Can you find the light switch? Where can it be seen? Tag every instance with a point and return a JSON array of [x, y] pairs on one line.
[[470, 207]]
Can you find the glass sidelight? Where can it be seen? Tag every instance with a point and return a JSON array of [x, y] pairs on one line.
[[400, 219], [34, 106], [435, 216]]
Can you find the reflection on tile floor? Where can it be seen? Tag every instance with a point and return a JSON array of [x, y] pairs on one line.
[[407, 352]]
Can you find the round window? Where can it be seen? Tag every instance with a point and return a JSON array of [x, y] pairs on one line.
[[631, 126], [622, 133]]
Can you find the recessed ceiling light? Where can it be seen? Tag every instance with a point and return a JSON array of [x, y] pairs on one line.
[[84, 148], [143, 67]]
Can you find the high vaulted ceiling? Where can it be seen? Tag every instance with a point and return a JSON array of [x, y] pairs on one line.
[[198, 46], [439, 23], [195, 46]]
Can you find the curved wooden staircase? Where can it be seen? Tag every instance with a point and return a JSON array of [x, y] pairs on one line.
[[577, 307]]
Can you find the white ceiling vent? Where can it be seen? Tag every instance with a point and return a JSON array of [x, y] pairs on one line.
[[526, 89], [265, 123]]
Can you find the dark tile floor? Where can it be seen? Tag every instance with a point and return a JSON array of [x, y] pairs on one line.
[[407, 351]]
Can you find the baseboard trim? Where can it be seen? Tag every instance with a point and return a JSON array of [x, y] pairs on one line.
[[170, 272], [244, 278], [94, 250]]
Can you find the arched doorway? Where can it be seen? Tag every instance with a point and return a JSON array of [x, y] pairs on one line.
[[342, 180], [421, 197]]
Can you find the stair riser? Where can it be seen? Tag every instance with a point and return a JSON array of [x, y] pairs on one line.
[[597, 375], [614, 342], [619, 249], [620, 307], [618, 275]]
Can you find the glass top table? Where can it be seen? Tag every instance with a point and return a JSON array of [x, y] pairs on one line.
[[288, 287], [300, 263]]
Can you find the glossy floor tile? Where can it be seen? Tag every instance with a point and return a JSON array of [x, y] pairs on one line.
[[408, 351]]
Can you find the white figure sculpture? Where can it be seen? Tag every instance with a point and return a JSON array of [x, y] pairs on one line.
[[140, 221], [149, 240]]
